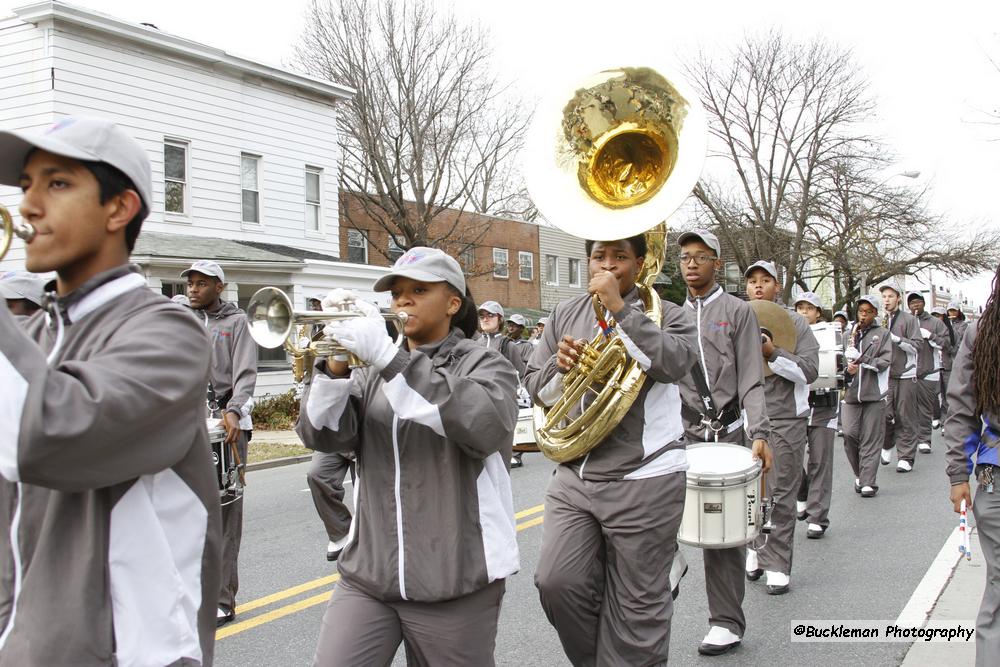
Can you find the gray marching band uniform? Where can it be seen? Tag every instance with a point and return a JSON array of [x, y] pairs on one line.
[[509, 349], [729, 353], [611, 517], [233, 375], [326, 483], [962, 423], [959, 327], [434, 536], [108, 495], [929, 363], [816, 487], [787, 395], [863, 413], [901, 403]]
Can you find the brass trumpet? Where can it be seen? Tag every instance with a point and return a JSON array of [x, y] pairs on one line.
[[274, 322], [11, 229]]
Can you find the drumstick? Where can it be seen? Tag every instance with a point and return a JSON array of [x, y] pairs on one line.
[[963, 528]]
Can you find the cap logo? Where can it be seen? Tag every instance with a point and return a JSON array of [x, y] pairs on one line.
[[411, 257], [60, 124]]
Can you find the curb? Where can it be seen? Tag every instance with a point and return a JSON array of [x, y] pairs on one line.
[[277, 463]]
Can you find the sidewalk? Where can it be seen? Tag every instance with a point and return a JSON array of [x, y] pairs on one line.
[[959, 601], [280, 437]]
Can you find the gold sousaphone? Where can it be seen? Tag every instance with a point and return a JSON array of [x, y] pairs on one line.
[[611, 157], [777, 323]]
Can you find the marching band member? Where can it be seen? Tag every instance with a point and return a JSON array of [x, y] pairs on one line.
[[902, 401], [947, 356], [536, 335], [432, 424], [730, 362], [787, 397], [231, 381], [935, 340], [492, 336], [868, 353], [109, 497], [611, 517], [813, 500], [958, 322], [972, 432], [23, 292], [841, 317]]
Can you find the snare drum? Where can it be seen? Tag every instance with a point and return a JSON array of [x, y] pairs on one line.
[[722, 507], [831, 356], [524, 432], [226, 470]]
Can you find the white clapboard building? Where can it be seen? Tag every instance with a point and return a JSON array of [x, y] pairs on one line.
[[244, 154]]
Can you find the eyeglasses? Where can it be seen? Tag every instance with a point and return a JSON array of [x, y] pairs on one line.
[[699, 260], [487, 316]]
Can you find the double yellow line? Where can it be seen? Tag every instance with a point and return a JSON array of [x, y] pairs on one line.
[[312, 601]]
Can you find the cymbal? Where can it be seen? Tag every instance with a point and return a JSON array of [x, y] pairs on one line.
[[777, 323]]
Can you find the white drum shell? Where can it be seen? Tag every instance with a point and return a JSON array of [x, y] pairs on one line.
[[829, 336], [721, 509]]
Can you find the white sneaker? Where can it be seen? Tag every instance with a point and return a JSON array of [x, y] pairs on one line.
[[718, 636], [924, 448], [936, 423], [333, 549], [776, 578], [801, 506], [751, 564], [904, 466], [886, 456]]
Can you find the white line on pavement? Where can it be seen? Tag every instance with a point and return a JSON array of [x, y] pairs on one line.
[[927, 592]]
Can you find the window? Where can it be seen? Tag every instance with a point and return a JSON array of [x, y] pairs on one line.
[[525, 266], [172, 289], [314, 209], [357, 246], [551, 270], [574, 272], [467, 258], [500, 263], [175, 169], [250, 183], [395, 250], [734, 277]]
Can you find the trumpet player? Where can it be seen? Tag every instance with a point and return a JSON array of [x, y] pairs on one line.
[[108, 496], [611, 516], [723, 405], [934, 343], [901, 402], [432, 424], [868, 354], [786, 393]]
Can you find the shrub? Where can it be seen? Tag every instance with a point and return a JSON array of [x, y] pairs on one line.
[[276, 412]]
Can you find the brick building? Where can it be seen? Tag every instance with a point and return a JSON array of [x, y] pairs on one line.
[[499, 255]]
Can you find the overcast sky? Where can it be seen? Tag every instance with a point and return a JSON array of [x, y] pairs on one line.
[[927, 62]]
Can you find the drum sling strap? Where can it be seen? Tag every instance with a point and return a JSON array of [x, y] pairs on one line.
[[710, 416]]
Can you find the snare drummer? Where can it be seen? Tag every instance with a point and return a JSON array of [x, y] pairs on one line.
[[787, 396], [730, 361], [109, 505], [231, 381], [813, 501], [868, 354], [611, 516], [935, 342]]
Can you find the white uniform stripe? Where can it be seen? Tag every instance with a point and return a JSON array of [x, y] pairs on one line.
[[15, 549], [641, 357], [496, 517], [410, 405], [399, 510], [327, 400], [15, 395]]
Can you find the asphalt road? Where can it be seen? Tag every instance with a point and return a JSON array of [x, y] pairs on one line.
[[866, 567]]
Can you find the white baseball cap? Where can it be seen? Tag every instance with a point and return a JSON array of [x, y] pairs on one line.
[[181, 299], [206, 267], [492, 307], [428, 265], [543, 321], [762, 264], [517, 319], [703, 235], [874, 300], [842, 313], [810, 298], [22, 285], [893, 285], [80, 138]]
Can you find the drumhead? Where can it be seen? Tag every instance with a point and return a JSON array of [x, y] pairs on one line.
[[215, 430], [719, 459]]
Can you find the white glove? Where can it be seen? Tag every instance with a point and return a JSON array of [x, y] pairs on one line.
[[895, 338], [925, 333], [367, 338], [336, 297], [852, 353]]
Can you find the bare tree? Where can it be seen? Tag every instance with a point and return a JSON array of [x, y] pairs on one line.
[[864, 231], [778, 111], [419, 139]]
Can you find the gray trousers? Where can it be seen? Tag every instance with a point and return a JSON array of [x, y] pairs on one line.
[[817, 479], [986, 509], [900, 418], [942, 405], [603, 572], [232, 536], [927, 401], [326, 482], [863, 425], [360, 630], [788, 444], [725, 582]]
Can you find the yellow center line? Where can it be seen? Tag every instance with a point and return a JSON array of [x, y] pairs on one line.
[[281, 612]]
